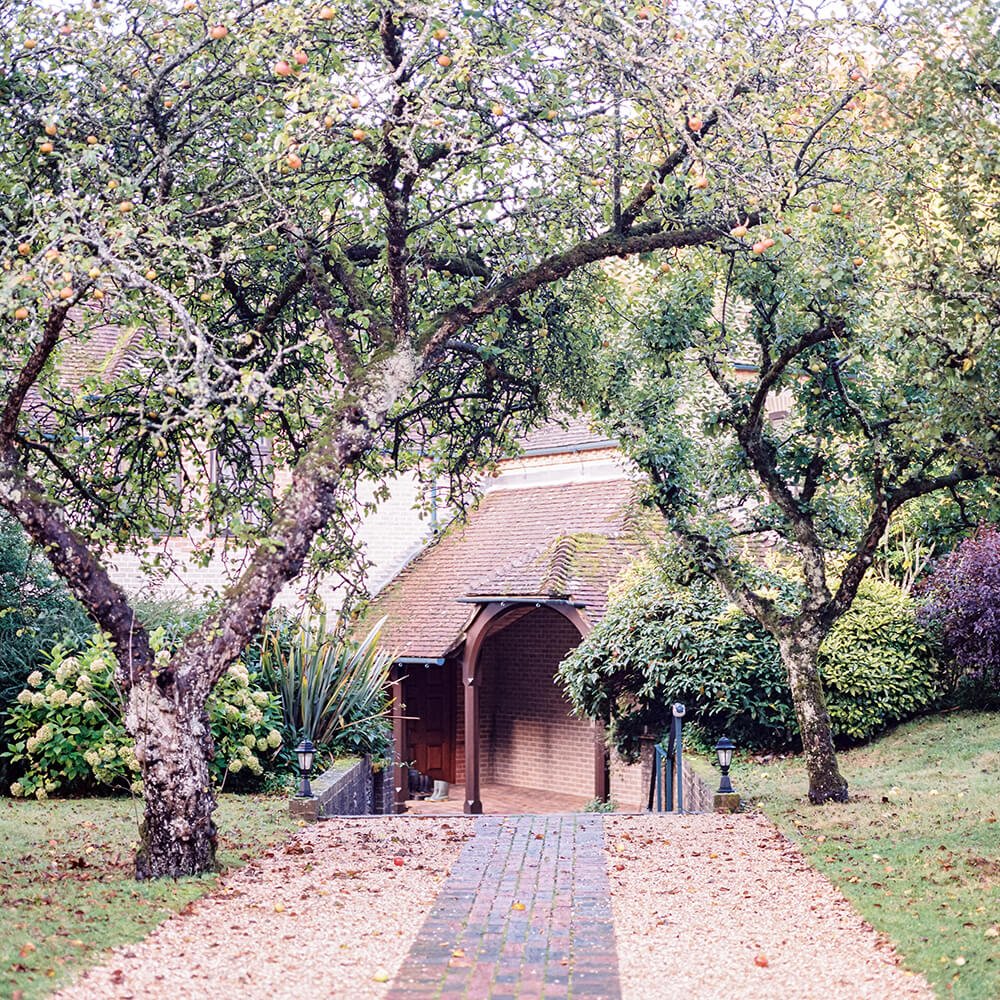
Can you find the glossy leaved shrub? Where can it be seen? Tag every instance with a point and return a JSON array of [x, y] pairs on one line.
[[662, 642]]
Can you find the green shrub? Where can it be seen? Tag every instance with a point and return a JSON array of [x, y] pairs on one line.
[[331, 691], [879, 665], [661, 642], [65, 730]]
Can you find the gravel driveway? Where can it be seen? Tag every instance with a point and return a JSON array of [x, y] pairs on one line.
[[704, 907]]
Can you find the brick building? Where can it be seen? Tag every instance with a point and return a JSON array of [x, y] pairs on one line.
[[480, 620]]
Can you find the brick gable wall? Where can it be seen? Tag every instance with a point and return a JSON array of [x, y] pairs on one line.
[[529, 737]]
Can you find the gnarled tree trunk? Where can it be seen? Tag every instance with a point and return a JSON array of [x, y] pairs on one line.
[[173, 744], [800, 655]]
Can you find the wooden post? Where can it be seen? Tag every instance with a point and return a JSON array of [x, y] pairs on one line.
[[473, 803]]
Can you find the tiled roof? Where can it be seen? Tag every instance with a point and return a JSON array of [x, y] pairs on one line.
[[564, 433], [567, 541], [102, 351]]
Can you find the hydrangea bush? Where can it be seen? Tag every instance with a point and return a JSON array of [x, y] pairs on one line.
[[66, 733]]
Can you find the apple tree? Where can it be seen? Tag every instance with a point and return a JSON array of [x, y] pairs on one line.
[[788, 395], [361, 232]]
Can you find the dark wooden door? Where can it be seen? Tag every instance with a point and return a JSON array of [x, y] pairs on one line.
[[429, 696]]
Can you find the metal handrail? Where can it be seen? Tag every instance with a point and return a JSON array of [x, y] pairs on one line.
[[666, 782]]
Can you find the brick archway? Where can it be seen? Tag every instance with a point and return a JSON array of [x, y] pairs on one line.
[[485, 623]]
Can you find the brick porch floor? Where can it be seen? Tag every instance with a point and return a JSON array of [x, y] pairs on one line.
[[501, 800]]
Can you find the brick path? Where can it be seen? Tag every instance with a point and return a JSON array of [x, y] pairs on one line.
[[478, 942]]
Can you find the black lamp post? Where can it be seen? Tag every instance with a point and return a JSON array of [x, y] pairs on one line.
[[305, 751], [724, 751]]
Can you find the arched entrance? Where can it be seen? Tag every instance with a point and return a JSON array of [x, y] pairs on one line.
[[512, 709]]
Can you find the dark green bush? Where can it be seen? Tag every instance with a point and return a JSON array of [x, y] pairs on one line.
[[36, 610], [662, 642]]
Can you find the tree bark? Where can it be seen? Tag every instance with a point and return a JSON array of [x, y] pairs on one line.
[[800, 655], [173, 744]]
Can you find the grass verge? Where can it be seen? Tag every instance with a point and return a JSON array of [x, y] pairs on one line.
[[67, 891], [917, 849]]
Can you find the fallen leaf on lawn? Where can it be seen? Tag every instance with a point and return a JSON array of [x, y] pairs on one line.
[[26, 949], [960, 960], [761, 961]]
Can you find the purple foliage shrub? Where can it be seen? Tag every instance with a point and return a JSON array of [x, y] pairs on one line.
[[963, 601]]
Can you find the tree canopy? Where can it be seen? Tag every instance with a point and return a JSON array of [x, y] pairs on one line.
[[361, 233]]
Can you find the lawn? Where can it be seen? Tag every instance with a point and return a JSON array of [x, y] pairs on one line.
[[917, 850], [67, 893]]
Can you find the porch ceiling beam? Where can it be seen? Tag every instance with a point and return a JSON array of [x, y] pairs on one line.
[[539, 602]]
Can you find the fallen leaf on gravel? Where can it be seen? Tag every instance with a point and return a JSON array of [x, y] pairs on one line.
[[761, 961], [381, 976], [518, 906], [279, 907], [398, 862]]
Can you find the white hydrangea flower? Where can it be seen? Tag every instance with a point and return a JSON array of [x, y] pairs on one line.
[[255, 767], [255, 716], [35, 678], [17, 790], [37, 699], [44, 733], [90, 706], [262, 745], [108, 753], [235, 766], [41, 794], [92, 757], [97, 664], [75, 699], [274, 739], [31, 744], [66, 669], [24, 697], [250, 740], [84, 683], [136, 787], [261, 698], [51, 786], [58, 697]]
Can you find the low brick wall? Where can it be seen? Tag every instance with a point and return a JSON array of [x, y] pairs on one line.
[[354, 788], [698, 797], [632, 791]]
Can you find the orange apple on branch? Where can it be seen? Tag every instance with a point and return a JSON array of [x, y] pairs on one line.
[[217, 32], [282, 68]]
